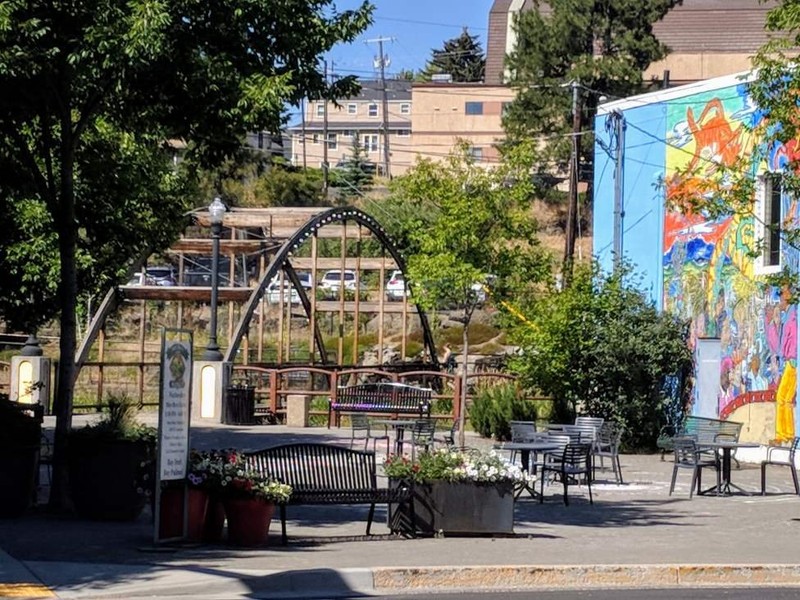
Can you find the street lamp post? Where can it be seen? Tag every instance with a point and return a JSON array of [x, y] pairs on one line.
[[216, 211]]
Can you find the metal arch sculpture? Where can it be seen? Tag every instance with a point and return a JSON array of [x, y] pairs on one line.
[[283, 255]]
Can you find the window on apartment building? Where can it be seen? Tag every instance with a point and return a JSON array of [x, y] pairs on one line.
[[332, 141], [315, 138], [370, 142], [320, 109], [476, 153], [769, 201], [372, 110], [403, 133], [352, 109], [473, 108], [405, 109]]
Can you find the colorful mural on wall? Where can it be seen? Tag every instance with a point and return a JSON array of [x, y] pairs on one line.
[[709, 269]]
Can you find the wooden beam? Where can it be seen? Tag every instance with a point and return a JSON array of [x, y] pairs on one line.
[[203, 246], [263, 217], [241, 294], [191, 294]]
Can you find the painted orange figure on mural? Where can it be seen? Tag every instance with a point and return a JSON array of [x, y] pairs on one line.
[[716, 143]]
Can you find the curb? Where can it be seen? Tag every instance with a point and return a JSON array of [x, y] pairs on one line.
[[583, 576]]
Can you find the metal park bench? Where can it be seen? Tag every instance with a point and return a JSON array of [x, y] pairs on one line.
[[381, 397], [325, 474]]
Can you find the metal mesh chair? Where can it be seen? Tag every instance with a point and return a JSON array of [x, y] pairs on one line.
[[521, 432], [574, 467], [607, 446], [361, 427], [422, 435], [781, 456], [688, 456]]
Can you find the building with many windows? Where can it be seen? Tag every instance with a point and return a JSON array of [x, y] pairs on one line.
[[361, 118]]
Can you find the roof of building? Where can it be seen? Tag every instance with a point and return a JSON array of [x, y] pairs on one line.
[[724, 26], [396, 90], [360, 126]]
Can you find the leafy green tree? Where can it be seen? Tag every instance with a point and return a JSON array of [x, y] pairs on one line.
[[148, 72], [603, 46], [355, 178], [284, 185], [477, 222], [461, 57], [600, 347]]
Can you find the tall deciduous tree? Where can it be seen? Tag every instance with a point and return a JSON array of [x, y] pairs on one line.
[[206, 73], [603, 45], [473, 222], [461, 57]]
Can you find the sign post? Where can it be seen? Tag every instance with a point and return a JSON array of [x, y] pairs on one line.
[[174, 415]]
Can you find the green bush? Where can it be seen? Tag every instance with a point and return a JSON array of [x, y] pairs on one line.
[[601, 347], [495, 406]]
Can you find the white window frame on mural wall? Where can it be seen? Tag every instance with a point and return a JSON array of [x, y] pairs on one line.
[[764, 217]]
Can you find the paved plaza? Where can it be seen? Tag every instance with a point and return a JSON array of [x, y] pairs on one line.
[[634, 534]]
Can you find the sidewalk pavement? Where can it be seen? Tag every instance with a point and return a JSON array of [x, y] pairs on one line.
[[634, 535]]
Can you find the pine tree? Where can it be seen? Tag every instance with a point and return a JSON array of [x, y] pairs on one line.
[[461, 57], [356, 176], [603, 45]]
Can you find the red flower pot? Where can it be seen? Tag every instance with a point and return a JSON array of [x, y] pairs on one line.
[[248, 521], [171, 516]]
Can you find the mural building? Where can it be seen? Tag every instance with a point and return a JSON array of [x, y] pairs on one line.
[[673, 145]]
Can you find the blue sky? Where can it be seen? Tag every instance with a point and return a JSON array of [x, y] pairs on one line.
[[416, 26]]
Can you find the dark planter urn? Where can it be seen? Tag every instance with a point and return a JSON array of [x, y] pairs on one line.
[[215, 520], [17, 479], [108, 478], [460, 508]]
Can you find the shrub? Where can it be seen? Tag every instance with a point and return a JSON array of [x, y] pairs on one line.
[[495, 406]]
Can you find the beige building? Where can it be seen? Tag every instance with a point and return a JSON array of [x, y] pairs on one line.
[[360, 117], [443, 114], [707, 38]]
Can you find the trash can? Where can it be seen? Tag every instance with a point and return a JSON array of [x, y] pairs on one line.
[[240, 406]]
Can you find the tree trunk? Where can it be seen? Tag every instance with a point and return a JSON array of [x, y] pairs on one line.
[[67, 292], [462, 402]]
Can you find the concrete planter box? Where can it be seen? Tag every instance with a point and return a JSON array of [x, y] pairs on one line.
[[461, 508]]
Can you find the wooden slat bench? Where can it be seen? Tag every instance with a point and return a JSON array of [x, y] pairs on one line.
[[702, 429], [324, 474], [382, 397]]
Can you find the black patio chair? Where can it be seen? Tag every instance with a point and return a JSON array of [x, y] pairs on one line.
[[575, 465], [689, 456], [781, 456]]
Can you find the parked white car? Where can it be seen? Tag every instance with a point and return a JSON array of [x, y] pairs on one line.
[[333, 280], [274, 295], [396, 286]]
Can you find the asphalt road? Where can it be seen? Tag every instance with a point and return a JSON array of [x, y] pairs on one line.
[[761, 593]]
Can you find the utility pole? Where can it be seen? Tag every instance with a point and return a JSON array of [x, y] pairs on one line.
[[619, 173], [325, 137], [382, 61], [303, 129], [572, 210]]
